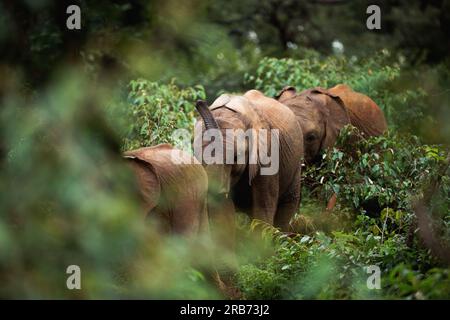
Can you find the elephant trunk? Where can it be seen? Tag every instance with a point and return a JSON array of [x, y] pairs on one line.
[[205, 113]]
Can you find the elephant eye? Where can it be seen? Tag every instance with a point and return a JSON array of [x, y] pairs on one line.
[[311, 137]]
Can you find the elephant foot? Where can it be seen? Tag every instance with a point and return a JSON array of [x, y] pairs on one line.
[[226, 286]]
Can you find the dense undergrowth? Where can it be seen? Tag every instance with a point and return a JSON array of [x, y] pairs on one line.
[[375, 180], [62, 182], [373, 225]]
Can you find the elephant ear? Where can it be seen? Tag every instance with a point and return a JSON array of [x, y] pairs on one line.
[[146, 177], [237, 104], [162, 146], [336, 115], [244, 106], [286, 93]]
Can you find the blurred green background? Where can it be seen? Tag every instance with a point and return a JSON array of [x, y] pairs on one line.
[[72, 100]]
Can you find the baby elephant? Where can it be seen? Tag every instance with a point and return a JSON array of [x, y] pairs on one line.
[[321, 114], [173, 187]]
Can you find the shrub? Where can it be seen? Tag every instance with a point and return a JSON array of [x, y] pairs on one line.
[[156, 110], [334, 266], [376, 76], [381, 174], [362, 75], [68, 198], [384, 171]]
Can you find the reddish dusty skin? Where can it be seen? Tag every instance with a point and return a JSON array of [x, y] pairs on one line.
[[173, 193], [270, 198], [173, 187], [364, 113], [321, 113]]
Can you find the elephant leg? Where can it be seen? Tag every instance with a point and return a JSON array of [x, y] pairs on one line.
[[221, 212], [264, 198], [222, 222], [187, 213], [185, 221], [289, 204]]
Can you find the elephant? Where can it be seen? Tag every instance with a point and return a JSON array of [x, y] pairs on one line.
[[364, 113], [272, 198], [322, 113], [173, 187]]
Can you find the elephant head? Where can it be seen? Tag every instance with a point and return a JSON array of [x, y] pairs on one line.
[[320, 115], [229, 114]]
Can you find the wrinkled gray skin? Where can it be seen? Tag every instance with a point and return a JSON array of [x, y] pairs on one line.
[[273, 199]]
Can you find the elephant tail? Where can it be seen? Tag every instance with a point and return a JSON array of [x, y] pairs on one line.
[[205, 113]]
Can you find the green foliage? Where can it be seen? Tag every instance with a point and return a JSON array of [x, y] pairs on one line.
[[67, 197], [379, 176], [374, 76], [412, 284], [60, 204], [156, 110], [334, 266], [68, 155], [361, 74], [382, 171]]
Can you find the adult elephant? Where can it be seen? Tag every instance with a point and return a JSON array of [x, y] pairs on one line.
[[173, 187], [322, 113], [272, 197]]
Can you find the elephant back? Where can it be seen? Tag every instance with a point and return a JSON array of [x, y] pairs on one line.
[[239, 104], [276, 112], [173, 167], [279, 116], [182, 181]]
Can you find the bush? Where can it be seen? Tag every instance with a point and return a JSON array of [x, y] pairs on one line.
[[68, 198], [376, 76], [156, 110], [384, 171], [334, 266], [380, 174]]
